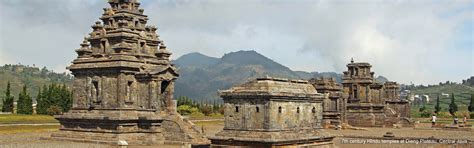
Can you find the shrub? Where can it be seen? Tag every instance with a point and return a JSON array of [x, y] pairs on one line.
[[207, 110], [462, 114], [444, 115], [422, 109], [54, 110], [187, 110], [425, 114], [197, 114]]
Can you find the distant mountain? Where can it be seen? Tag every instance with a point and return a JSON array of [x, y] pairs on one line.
[[201, 76], [195, 59], [381, 79]]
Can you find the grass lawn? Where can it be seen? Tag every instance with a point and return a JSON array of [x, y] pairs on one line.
[[27, 129], [26, 119]]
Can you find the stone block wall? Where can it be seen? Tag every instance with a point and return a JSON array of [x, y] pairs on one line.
[[290, 115]]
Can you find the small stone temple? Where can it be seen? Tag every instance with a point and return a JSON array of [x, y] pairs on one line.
[[272, 112], [360, 100], [370, 103], [123, 85]]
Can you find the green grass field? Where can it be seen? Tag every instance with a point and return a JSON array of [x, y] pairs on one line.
[[26, 119], [28, 129]]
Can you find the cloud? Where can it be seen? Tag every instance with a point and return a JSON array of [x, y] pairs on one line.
[[406, 41], [5, 59], [45, 32]]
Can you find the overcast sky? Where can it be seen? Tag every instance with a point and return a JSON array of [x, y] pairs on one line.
[[406, 41]]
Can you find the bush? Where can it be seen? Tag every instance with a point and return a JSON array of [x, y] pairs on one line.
[[444, 115], [207, 110], [425, 114], [462, 114], [187, 110], [197, 114], [471, 116], [54, 110]]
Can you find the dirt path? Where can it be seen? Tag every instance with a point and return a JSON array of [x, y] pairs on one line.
[[211, 127]]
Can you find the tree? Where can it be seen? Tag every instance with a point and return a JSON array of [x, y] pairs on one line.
[[54, 97], [206, 110], [8, 100], [471, 104], [437, 107], [42, 105], [66, 98], [183, 100], [453, 108], [24, 102], [422, 109]]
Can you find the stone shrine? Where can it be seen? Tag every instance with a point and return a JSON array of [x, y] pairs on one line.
[[334, 105], [369, 103], [123, 85], [272, 112]]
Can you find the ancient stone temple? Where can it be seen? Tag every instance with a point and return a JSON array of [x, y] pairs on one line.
[[370, 103], [397, 109], [365, 106], [334, 105], [123, 85], [272, 112]]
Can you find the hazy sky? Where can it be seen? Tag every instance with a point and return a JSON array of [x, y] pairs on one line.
[[407, 41]]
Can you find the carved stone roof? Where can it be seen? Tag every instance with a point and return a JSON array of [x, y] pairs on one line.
[[325, 84], [122, 40], [273, 87]]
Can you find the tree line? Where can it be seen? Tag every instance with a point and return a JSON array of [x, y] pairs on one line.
[[187, 106], [51, 99], [452, 107]]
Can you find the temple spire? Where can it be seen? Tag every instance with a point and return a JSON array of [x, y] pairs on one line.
[[132, 5]]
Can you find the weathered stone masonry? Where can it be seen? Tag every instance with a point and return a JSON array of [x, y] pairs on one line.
[[272, 112], [124, 84], [361, 101]]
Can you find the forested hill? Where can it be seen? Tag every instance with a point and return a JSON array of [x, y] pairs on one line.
[[32, 77]]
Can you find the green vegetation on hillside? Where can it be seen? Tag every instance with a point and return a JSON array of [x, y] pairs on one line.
[[458, 100], [434, 90], [32, 77], [42, 85]]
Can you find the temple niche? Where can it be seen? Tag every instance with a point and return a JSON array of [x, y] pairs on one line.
[[124, 85]]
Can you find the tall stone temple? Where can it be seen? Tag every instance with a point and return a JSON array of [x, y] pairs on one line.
[[123, 85]]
